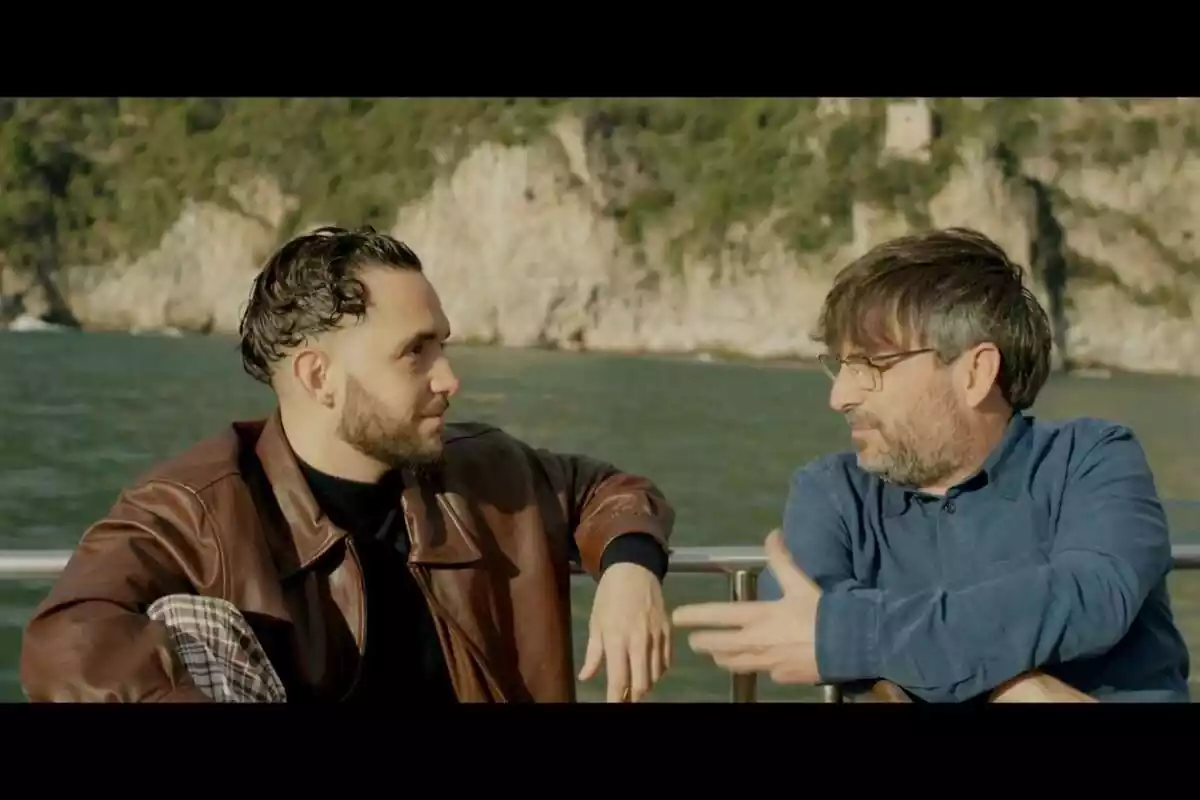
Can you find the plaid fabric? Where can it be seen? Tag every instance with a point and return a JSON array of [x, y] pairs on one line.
[[219, 649]]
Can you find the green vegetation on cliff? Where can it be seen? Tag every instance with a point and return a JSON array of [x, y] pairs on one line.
[[87, 181]]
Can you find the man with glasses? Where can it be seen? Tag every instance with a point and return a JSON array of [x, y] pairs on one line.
[[964, 551]]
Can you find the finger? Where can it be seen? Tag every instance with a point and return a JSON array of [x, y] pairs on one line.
[[789, 576], [724, 642], [657, 657], [616, 664], [591, 662], [639, 667], [787, 674], [735, 613], [668, 649], [745, 662]]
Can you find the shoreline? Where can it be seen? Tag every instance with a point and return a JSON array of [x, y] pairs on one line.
[[711, 357]]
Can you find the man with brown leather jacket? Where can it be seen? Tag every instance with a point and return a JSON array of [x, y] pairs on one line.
[[377, 552]]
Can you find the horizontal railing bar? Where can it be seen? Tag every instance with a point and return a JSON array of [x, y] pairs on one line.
[[47, 564], [740, 565], [32, 564]]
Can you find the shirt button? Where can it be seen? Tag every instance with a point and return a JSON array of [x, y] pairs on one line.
[[949, 506]]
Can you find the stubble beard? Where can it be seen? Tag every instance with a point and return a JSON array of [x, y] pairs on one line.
[[366, 426], [924, 449]]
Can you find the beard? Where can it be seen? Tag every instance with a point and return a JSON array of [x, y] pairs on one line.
[[367, 426], [922, 449]]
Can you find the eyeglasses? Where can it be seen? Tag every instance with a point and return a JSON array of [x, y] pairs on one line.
[[867, 371]]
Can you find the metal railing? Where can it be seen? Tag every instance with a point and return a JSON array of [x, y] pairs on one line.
[[740, 565]]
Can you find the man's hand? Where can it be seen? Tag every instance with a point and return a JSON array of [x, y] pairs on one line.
[[778, 637], [630, 631]]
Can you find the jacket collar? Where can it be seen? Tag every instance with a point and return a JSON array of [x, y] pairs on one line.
[[440, 525]]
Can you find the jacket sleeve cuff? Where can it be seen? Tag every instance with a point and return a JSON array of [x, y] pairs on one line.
[[636, 548], [848, 636]]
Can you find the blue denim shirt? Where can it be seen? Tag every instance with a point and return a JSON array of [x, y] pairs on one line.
[[1053, 556]]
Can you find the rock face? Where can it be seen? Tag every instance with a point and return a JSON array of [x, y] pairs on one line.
[[518, 243]]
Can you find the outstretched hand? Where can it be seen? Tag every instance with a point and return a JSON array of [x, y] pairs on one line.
[[630, 633], [777, 637]]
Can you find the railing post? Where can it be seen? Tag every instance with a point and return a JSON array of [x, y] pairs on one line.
[[743, 586]]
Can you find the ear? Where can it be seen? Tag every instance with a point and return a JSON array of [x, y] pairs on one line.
[[312, 373], [980, 369]]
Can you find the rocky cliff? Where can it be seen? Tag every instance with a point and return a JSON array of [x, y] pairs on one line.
[[546, 241]]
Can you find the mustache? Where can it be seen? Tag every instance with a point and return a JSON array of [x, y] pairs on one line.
[[861, 419]]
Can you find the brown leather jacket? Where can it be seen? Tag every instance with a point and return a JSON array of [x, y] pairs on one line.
[[233, 518]]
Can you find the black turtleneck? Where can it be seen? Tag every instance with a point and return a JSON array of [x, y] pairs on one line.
[[399, 625], [403, 661]]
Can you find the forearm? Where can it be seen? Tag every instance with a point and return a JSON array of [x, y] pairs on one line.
[[94, 652], [606, 507], [90, 639], [948, 646]]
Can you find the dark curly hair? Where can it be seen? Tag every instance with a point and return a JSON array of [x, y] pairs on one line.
[[947, 289], [307, 286]]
